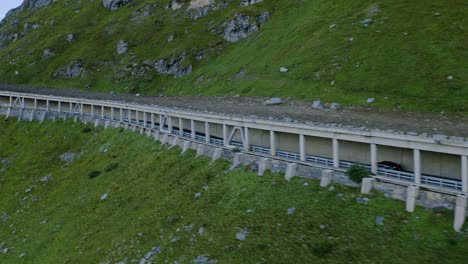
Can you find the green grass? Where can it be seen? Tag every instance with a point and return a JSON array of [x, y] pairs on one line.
[[151, 202], [403, 59]]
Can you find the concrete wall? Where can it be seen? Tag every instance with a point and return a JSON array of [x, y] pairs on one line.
[[316, 146], [355, 152]]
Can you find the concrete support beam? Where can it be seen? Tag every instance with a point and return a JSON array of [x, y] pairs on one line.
[[217, 154], [366, 185], [47, 105], [246, 139], [59, 106], [417, 165], [192, 128], [207, 132], [336, 153], [35, 104], [144, 119], [411, 195], [291, 169], [272, 143], [263, 165], [165, 138], [137, 117], [152, 120], [200, 150], [460, 212], [326, 178], [31, 118], [169, 124], [96, 122], [302, 147], [43, 116], [175, 142], [225, 135], [129, 115], [121, 114], [102, 111], [112, 113], [186, 146], [181, 127], [464, 173], [374, 161], [156, 135], [237, 160]]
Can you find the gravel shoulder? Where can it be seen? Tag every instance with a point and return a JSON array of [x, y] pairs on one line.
[[425, 124]]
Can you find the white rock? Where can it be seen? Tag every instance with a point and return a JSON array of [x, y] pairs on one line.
[[284, 69], [450, 77], [104, 196], [332, 26], [370, 100]]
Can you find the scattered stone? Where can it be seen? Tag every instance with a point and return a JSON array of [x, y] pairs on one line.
[[104, 196], [317, 104], [242, 235], [284, 69], [370, 100], [249, 211], [22, 255], [173, 67], [250, 2], [114, 4], [306, 184], [71, 37], [198, 195], [379, 220], [203, 260], [331, 188], [201, 231], [450, 78], [332, 26], [362, 200], [73, 70], [323, 227], [243, 26], [335, 106], [4, 217], [366, 22], [122, 47], [273, 101], [291, 210], [170, 38], [48, 53], [104, 148], [68, 157], [147, 258]]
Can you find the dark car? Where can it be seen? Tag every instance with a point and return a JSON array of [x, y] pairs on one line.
[[390, 165]]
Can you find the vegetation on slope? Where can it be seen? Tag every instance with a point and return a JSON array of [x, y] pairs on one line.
[[180, 208], [411, 56]]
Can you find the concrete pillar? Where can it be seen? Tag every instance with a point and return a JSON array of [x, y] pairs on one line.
[[302, 147], [169, 124], [137, 117], [175, 142], [225, 135], [417, 165], [121, 114], [35, 104], [336, 153], [112, 113], [164, 138], [156, 136], [102, 111], [144, 119], [272, 143], [263, 165], [366, 185], [133, 128], [192, 128], [126, 126], [460, 212], [181, 127], [186, 146], [31, 118], [59, 106], [152, 120], [81, 109], [96, 122], [237, 160], [464, 173], [326, 178], [76, 119], [373, 152], [47, 105], [411, 195], [20, 117], [207, 132], [217, 154], [246, 139], [92, 110], [129, 116], [200, 150], [291, 169]]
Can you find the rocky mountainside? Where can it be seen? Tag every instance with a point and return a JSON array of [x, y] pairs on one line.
[[399, 54]]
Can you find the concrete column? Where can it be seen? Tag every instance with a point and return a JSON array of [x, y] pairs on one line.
[[175, 142], [186, 146], [366, 185], [137, 117], [291, 169], [59, 106], [92, 110], [225, 135], [302, 146], [47, 105], [164, 139], [246, 139], [217, 154], [11, 101], [106, 124], [129, 116], [326, 178], [417, 165], [460, 212], [152, 120], [121, 114], [71, 106], [336, 153], [33, 112], [35, 104], [181, 127], [411, 195], [133, 128], [207, 132], [81, 109], [192, 128], [169, 124], [272, 143], [464, 173], [96, 122], [112, 113], [373, 151], [237, 160], [200, 150], [263, 165], [144, 119], [102, 111], [161, 122]]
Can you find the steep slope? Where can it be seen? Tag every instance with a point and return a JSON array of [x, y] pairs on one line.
[[409, 55], [77, 194]]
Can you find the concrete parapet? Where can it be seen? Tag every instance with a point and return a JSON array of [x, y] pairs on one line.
[[326, 178], [164, 139], [460, 212], [156, 136], [142, 130], [31, 118], [290, 171], [186, 146], [263, 165], [366, 185], [175, 142], [133, 128], [200, 150], [217, 154], [237, 160], [411, 195]]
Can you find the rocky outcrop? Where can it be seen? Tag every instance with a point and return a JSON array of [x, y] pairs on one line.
[[173, 67], [201, 8], [114, 4], [28, 5], [243, 26], [73, 70], [122, 47], [250, 2]]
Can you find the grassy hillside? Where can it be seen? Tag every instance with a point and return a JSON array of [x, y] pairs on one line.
[[412, 56], [186, 211]]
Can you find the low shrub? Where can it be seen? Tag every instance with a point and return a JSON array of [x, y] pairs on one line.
[[356, 173], [93, 174], [86, 130], [111, 167], [322, 248]]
